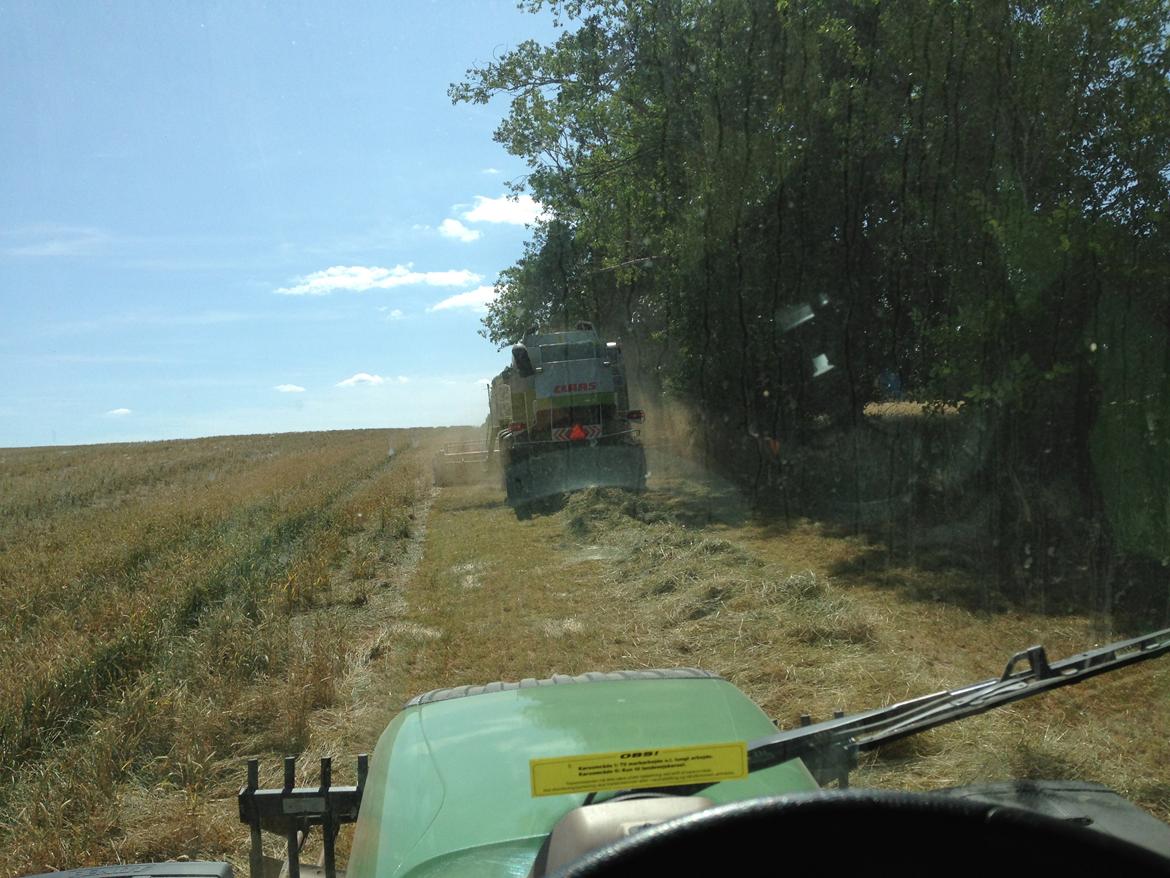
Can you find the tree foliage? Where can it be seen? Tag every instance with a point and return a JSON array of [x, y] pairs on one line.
[[975, 190]]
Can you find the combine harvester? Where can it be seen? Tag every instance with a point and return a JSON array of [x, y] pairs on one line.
[[559, 421], [563, 417]]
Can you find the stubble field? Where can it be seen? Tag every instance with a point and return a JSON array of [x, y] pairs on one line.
[[171, 609]]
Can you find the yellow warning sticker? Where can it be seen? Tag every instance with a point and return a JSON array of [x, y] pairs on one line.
[[638, 769]]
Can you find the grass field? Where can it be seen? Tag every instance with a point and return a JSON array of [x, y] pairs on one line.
[[169, 608], [174, 608]]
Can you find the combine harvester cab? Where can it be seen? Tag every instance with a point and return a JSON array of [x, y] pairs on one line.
[[562, 415]]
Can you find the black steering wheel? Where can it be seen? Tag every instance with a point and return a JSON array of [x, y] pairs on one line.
[[867, 831]]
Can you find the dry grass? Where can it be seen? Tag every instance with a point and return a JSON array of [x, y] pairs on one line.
[[907, 409], [293, 601], [681, 576], [175, 607]]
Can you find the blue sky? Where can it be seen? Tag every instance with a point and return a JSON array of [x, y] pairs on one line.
[[242, 217]]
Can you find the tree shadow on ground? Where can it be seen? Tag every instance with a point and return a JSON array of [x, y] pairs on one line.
[[958, 562], [937, 516], [930, 577], [693, 495]]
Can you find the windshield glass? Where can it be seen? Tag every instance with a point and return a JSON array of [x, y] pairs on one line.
[[892, 402], [559, 353]]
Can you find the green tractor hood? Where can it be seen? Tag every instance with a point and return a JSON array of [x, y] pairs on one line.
[[449, 790]]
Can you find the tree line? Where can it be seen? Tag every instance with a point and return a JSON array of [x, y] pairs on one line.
[[970, 196]]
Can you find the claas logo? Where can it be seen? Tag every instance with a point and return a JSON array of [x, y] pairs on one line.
[[575, 388]]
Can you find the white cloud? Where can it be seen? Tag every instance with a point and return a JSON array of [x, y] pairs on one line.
[[518, 211], [359, 278], [480, 382], [491, 171], [391, 313], [452, 228], [289, 388], [402, 379], [361, 378], [477, 299], [118, 413]]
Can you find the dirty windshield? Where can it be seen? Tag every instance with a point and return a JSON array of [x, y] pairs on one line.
[[863, 387], [559, 353]]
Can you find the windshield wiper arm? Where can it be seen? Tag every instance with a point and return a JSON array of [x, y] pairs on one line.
[[829, 749]]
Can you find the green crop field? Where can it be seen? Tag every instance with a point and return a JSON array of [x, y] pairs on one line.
[[169, 607]]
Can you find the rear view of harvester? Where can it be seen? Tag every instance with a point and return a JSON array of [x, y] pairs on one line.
[[560, 417]]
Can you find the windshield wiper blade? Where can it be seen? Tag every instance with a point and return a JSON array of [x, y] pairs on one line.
[[829, 749]]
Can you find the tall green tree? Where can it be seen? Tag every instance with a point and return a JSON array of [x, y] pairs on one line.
[[969, 193]]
